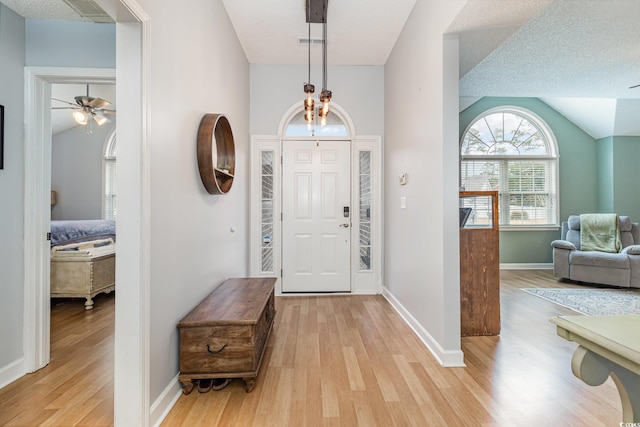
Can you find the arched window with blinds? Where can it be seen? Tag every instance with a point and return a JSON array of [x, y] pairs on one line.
[[513, 151]]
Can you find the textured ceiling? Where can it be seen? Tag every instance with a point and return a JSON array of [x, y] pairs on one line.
[[578, 56], [482, 26], [43, 9], [359, 32], [573, 48]]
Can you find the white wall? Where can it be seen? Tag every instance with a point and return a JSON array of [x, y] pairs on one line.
[[358, 90], [76, 172], [197, 66], [421, 258], [12, 61], [66, 44]]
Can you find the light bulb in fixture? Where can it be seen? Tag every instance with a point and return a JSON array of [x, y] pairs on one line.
[[100, 119], [81, 117], [325, 97], [309, 102], [308, 109]]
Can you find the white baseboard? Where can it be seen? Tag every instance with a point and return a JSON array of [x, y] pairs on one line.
[[324, 294], [11, 372], [163, 404], [531, 266], [447, 358]]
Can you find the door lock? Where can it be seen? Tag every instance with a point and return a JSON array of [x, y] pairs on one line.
[[345, 225]]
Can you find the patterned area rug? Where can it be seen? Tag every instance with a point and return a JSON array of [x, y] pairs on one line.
[[592, 301]]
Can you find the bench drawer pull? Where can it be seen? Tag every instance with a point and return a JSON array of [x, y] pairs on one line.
[[216, 351]]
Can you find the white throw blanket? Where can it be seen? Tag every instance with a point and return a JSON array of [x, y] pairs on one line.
[[599, 232]]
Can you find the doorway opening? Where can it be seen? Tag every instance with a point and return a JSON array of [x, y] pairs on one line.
[[38, 185], [316, 199], [131, 365]]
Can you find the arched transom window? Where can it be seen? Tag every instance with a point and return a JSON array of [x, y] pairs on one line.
[[334, 127], [513, 151]]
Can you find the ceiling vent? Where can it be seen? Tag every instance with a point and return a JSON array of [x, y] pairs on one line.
[[304, 41], [90, 10]]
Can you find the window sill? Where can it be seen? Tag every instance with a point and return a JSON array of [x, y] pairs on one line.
[[529, 228]]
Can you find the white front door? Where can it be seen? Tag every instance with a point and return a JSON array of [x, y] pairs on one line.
[[316, 225]]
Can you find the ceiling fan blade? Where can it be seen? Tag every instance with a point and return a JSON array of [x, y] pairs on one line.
[[108, 111], [98, 103], [62, 100], [66, 108], [632, 87]]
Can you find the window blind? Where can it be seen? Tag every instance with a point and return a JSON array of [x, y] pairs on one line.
[[526, 188]]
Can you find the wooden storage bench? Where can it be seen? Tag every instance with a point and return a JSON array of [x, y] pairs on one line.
[[225, 336]]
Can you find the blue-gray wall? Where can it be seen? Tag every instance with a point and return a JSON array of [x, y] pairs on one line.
[[35, 43], [70, 44], [625, 175], [12, 60], [578, 177], [605, 174], [74, 153]]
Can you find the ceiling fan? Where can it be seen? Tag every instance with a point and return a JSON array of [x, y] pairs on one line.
[[88, 109]]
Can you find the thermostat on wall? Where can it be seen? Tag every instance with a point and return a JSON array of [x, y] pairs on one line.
[[403, 178]]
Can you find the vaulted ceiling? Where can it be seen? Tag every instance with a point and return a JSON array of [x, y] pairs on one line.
[[578, 56]]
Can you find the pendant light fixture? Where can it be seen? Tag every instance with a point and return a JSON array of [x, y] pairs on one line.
[[308, 87], [319, 15]]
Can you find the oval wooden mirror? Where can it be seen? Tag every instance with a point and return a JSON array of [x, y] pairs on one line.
[[216, 153]]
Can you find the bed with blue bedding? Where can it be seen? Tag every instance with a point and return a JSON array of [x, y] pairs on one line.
[[82, 258], [64, 232]]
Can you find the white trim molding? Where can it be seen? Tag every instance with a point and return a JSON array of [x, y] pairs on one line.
[[133, 273], [526, 266], [446, 358], [37, 149], [165, 402]]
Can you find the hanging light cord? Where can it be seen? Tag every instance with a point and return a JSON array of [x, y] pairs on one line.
[[309, 39], [324, 55]]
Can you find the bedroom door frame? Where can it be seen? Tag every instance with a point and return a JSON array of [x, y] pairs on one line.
[[131, 355], [37, 207]]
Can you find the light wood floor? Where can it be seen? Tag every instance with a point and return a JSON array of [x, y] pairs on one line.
[[341, 360], [76, 388]]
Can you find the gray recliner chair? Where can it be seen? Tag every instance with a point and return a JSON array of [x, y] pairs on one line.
[[616, 269]]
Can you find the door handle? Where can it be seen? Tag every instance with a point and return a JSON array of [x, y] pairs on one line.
[[345, 225]]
